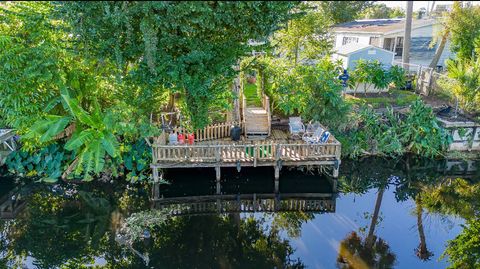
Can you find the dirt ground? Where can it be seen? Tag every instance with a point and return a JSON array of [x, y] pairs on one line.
[[435, 101]]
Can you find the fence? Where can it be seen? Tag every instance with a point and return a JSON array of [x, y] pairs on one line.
[[209, 132], [426, 77]]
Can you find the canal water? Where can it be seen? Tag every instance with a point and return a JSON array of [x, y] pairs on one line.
[[384, 214]]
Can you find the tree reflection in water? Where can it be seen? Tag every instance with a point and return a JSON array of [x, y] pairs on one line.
[[70, 232], [58, 231]]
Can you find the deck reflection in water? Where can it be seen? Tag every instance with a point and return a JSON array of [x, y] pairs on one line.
[[244, 194]]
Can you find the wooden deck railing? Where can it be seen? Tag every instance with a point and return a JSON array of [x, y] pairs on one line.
[[252, 153]]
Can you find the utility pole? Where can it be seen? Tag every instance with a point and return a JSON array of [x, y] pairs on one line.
[[408, 35]]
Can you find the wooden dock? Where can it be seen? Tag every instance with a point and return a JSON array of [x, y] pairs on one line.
[[277, 151]]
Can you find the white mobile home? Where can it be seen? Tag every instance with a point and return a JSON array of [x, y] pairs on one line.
[[389, 33]]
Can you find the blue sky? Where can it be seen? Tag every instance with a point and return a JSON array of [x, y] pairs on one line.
[[416, 4]]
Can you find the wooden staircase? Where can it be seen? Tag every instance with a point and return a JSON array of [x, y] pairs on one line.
[[257, 120]]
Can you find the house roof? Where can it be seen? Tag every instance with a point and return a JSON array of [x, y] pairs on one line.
[[379, 26], [354, 47]]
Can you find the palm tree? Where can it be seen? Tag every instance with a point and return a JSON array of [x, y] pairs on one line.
[[421, 251], [353, 253], [370, 240], [373, 252], [408, 34]]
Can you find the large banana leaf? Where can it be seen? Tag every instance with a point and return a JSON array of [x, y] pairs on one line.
[[57, 125], [80, 138], [98, 156], [48, 128], [110, 144], [79, 113]]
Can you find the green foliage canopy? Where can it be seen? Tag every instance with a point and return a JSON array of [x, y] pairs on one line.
[[313, 91], [31, 61], [374, 73], [186, 47], [464, 26], [306, 37], [382, 11], [343, 11]]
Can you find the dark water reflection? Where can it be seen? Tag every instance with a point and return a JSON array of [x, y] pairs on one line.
[[387, 214]]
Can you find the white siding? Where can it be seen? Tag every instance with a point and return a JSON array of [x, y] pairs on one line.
[[362, 39]]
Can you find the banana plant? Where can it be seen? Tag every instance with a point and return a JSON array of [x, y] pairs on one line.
[[93, 139]]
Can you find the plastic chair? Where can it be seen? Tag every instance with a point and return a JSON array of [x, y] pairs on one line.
[[296, 126], [314, 137]]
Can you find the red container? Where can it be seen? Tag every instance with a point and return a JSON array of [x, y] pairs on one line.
[[181, 139], [191, 139]]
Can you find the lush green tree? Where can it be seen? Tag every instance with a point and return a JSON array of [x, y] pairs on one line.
[[32, 61], [314, 91], [458, 197], [463, 81], [305, 38], [184, 47], [464, 27], [343, 11], [381, 11], [93, 138], [464, 250], [374, 73], [38, 61]]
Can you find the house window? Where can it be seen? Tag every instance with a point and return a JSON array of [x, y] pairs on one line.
[[349, 39], [375, 41], [400, 41]]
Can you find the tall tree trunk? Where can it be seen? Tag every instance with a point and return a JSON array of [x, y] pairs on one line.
[[171, 108], [422, 251], [371, 237], [407, 34], [440, 48]]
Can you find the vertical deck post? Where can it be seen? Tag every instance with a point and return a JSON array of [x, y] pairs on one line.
[[218, 176], [277, 168], [217, 169], [277, 178], [156, 184]]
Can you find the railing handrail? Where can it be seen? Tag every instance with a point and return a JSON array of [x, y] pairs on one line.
[[247, 152], [334, 143]]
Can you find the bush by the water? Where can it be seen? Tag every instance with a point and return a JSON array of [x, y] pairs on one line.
[[393, 134]]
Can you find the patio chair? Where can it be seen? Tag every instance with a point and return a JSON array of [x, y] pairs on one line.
[[296, 127], [314, 137], [325, 137]]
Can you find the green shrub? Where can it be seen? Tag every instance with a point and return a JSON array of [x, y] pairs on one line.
[[47, 163], [391, 134]]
